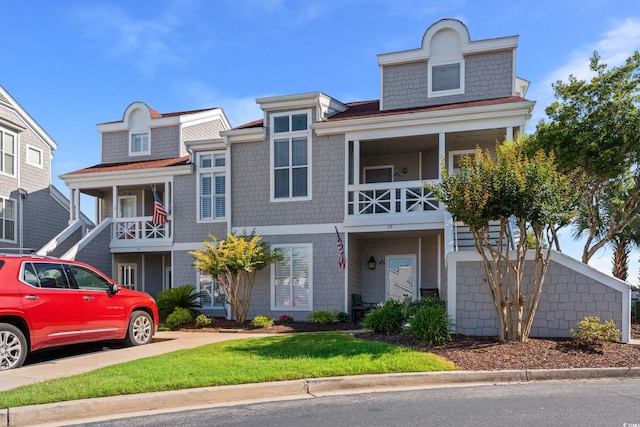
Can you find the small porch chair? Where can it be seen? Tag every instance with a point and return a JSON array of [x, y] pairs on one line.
[[359, 308]]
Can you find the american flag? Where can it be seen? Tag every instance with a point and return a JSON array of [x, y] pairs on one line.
[[342, 262], [159, 212]]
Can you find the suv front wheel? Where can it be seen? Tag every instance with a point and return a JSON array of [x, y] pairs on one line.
[[140, 329], [13, 347]]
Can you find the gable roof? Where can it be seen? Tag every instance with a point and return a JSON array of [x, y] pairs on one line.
[[7, 99]]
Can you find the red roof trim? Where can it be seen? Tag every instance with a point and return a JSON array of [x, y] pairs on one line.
[[368, 109], [130, 166]]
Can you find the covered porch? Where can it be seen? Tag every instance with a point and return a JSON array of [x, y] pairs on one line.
[[399, 265]]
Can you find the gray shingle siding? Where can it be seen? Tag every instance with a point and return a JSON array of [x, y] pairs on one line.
[[567, 297], [487, 76], [185, 214], [43, 217], [250, 191], [164, 143]]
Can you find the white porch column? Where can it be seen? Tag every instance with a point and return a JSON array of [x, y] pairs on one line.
[[441, 152], [356, 162], [509, 133], [114, 202], [76, 204]]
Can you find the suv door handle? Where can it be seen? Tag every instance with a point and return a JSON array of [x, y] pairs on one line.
[[87, 298], [31, 297]]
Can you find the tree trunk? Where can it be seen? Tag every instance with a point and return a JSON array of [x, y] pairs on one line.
[[621, 251]]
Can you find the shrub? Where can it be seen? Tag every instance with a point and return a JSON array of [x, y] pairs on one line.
[[285, 319], [413, 307], [321, 316], [185, 296], [431, 324], [341, 316], [180, 316], [387, 318], [262, 321], [203, 321], [593, 333]]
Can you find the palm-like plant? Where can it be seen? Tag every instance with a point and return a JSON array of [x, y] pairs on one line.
[[621, 243], [185, 296]]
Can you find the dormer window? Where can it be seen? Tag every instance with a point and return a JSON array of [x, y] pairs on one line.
[[139, 144], [446, 79]]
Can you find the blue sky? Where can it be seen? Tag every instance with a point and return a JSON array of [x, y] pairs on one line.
[[73, 64]]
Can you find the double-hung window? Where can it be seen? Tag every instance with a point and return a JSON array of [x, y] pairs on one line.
[[7, 219], [139, 144], [7, 152], [446, 78], [291, 278], [212, 186], [291, 156]]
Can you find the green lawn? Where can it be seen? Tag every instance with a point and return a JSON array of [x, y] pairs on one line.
[[253, 360]]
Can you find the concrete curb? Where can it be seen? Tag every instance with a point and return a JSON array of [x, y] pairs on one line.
[[305, 388]]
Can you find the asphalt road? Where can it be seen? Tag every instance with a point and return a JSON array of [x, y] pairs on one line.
[[541, 404]]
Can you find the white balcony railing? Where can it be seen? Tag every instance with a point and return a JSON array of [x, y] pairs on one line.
[[390, 198], [139, 228]]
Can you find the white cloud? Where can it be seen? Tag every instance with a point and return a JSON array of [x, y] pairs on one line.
[[615, 47], [148, 41], [239, 110]]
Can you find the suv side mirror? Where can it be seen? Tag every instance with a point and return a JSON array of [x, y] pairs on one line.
[[114, 289]]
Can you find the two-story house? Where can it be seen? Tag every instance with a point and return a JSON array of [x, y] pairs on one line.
[[314, 169], [32, 211]]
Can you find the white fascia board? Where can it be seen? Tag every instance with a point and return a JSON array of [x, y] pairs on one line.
[[11, 125], [131, 177], [502, 113], [244, 135], [122, 126], [29, 121], [475, 47], [206, 144], [204, 117]]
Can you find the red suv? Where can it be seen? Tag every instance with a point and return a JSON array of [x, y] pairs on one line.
[[48, 302]]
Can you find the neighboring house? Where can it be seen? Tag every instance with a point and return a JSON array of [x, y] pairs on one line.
[[314, 166], [32, 211]]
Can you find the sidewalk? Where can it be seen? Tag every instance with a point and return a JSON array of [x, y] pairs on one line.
[[74, 411]]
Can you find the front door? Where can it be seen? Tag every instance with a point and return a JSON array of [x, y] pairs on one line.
[[400, 277]]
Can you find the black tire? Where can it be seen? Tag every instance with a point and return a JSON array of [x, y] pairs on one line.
[[140, 330], [13, 347]]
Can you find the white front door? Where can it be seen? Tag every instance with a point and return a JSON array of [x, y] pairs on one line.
[[400, 277]]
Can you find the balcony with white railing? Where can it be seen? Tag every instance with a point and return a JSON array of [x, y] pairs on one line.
[[139, 231], [391, 202]]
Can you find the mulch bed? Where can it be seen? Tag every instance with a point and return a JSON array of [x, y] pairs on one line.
[[477, 353]]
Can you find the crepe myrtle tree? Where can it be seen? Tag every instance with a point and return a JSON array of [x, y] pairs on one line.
[[234, 262], [489, 189]]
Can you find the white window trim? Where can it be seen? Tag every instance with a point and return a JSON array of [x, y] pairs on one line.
[[454, 153], [128, 265], [368, 168], [289, 135], [214, 306], [135, 206], [146, 131], [15, 220], [272, 285], [434, 94], [31, 147], [213, 170], [15, 152]]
